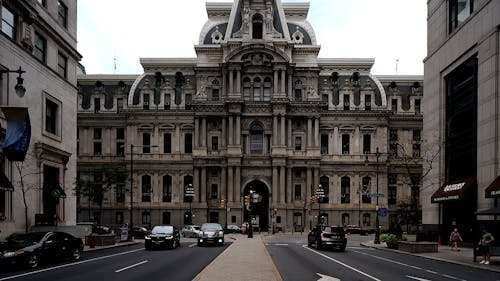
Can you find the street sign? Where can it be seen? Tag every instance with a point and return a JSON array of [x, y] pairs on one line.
[[320, 192], [189, 191], [377, 195], [383, 212]]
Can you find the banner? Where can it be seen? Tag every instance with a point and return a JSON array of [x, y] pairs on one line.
[[18, 135]]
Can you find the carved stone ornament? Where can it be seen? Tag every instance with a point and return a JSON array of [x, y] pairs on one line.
[[217, 36], [297, 36]]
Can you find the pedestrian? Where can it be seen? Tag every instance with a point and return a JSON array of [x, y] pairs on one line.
[[485, 242], [454, 238]]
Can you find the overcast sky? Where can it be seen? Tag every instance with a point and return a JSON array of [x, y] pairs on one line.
[[391, 31]]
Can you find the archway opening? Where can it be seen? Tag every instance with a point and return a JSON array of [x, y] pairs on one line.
[[259, 210]]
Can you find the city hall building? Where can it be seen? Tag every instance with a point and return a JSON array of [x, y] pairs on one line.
[[256, 111]]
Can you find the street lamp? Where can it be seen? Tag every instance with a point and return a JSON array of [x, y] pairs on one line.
[[320, 193], [131, 217], [20, 90], [377, 195]]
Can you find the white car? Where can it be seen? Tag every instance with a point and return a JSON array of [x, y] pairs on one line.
[[190, 231]]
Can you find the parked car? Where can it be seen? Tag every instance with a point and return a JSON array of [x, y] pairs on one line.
[[190, 231], [31, 249], [139, 231], [163, 236], [232, 229], [211, 233], [355, 229], [324, 236]]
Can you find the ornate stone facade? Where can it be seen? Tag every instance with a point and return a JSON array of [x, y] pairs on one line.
[[256, 110]]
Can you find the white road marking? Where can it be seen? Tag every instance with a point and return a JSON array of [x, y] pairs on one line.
[[281, 244], [68, 264], [327, 278], [192, 245], [341, 263], [130, 266], [411, 266], [416, 278]]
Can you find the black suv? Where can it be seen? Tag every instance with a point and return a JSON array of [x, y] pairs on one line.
[[323, 236]]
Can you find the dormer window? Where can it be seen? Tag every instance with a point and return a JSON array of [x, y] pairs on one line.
[[257, 26]]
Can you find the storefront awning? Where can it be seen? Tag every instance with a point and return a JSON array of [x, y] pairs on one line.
[[5, 183], [493, 190], [452, 191]]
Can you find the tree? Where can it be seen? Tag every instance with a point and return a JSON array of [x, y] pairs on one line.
[[105, 178], [24, 189]]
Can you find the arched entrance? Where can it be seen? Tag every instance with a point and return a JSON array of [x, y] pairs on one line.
[[260, 210]]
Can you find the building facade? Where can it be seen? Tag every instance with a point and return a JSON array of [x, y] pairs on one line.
[[256, 110], [461, 113], [39, 38]]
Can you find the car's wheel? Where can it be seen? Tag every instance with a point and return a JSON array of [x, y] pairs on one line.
[[76, 254], [200, 244], [148, 247], [33, 261], [342, 249]]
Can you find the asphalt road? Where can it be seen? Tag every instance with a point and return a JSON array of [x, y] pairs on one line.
[[130, 263], [296, 261]]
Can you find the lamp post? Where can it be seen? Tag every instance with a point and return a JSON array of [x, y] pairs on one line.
[[320, 192], [377, 221], [250, 223], [190, 193], [19, 88]]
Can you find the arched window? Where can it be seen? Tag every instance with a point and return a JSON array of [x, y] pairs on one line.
[[146, 188], [324, 181], [256, 138], [345, 190], [267, 88], [366, 189], [257, 89], [257, 26], [298, 90], [215, 90]]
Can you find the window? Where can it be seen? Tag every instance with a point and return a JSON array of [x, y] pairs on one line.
[[345, 190], [51, 117], [366, 188], [145, 101], [119, 105], [188, 143], [40, 47], [298, 143], [298, 192], [97, 148], [367, 144], [8, 22], [62, 14], [97, 133], [215, 143], [97, 105], [146, 188], [368, 102], [167, 143], [459, 11], [167, 102], [257, 26], [189, 102], [120, 193], [347, 103], [167, 189], [393, 135], [119, 218], [214, 191], [345, 143], [120, 148], [416, 135], [394, 105], [324, 99], [62, 65], [345, 219], [166, 218], [146, 143], [393, 150], [256, 138], [215, 94], [298, 90], [392, 196], [146, 217], [366, 219], [417, 106], [120, 133], [416, 150], [325, 184], [324, 144]]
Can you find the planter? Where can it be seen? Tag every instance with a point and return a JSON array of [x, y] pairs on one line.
[[392, 245]]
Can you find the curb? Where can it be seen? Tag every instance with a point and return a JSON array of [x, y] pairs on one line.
[[97, 248]]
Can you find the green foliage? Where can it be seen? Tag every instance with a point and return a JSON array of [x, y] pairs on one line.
[[388, 238]]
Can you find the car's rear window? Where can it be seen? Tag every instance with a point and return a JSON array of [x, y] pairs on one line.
[[333, 229]]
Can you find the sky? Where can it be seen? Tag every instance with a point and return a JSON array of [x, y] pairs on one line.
[[114, 34]]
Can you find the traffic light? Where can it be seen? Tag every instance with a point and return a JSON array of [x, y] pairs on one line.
[[247, 200], [223, 203], [313, 199]]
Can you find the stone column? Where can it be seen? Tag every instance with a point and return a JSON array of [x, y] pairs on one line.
[[289, 137], [290, 85], [282, 185], [196, 185], [315, 179], [223, 184], [238, 81], [316, 132], [275, 185], [308, 183], [238, 129], [336, 141], [177, 138], [309, 133], [231, 128], [231, 82], [358, 149], [275, 90], [203, 185], [275, 130], [230, 184], [223, 132], [282, 135], [237, 183], [283, 77], [204, 131], [289, 186]]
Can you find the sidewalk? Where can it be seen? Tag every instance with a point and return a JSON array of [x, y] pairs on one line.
[[246, 259], [444, 253]]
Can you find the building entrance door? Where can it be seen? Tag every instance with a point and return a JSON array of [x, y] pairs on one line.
[[260, 209]]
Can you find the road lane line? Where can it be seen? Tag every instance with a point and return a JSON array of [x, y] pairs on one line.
[[192, 245], [279, 244], [130, 266], [341, 263], [68, 264], [411, 266]]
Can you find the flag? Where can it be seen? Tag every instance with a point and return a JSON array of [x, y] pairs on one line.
[[18, 135]]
